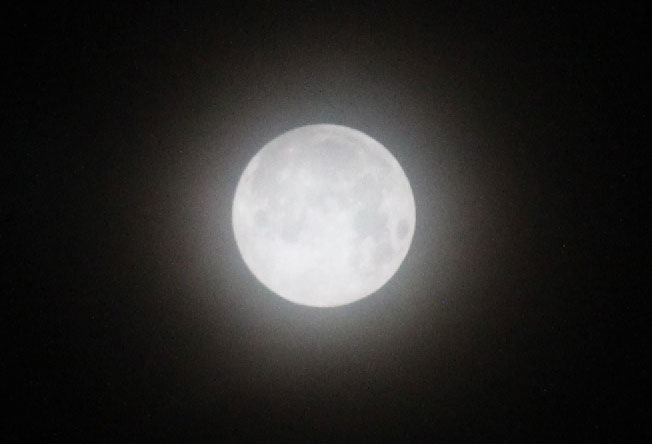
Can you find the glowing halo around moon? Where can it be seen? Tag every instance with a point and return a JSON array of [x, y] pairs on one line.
[[323, 215]]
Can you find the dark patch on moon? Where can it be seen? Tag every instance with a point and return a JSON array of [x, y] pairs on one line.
[[368, 191], [402, 229], [261, 218], [384, 253], [289, 233], [333, 159], [370, 222], [291, 229], [266, 178]]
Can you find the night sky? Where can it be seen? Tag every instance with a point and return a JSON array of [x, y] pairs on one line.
[[514, 318]]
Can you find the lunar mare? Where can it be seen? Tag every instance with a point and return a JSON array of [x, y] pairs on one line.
[[323, 215]]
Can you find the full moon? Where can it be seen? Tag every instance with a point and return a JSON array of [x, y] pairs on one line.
[[323, 215]]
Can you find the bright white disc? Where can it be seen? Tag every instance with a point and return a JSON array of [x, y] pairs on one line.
[[323, 215]]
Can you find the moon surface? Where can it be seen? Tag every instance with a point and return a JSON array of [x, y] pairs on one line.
[[323, 215]]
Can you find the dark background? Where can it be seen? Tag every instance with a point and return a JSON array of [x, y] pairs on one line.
[[514, 318]]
